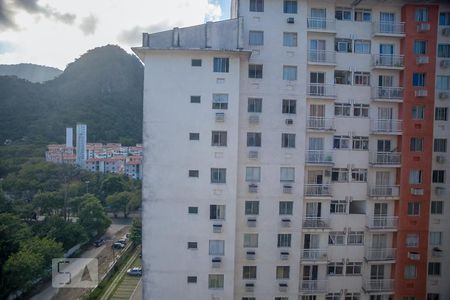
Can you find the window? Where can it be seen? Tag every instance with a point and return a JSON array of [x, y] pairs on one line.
[[422, 14], [342, 77], [443, 82], [336, 238], [412, 240], [355, 238], [192, 245], [253, 139], [290, 6], [341, 142], [257, 5], [339, 175], [195, 99], [217, 247], [435, 238], [338, 207], [418, 79], [357, 207], [248, 298], [416, 144], [249, 272], [438, 176], [441, 114], [362, 46], [282, 272], [254, 105], [193, 210], [289, 106], [288, 140], [343, 45], [413, 208], [420, 47], [361, 110], [219, 138], [436, 207], [289, 73], [333, 296], [255, 71], [215, 281], [343, 13], [290, 39], [192, 279], [287, 174], [220, 101], [218, 175], [360, 143], [353, 268], [440, 145], [410, 272], [194, 136], [252, 207], [193, 173], [415, 176], [418, 112], [342, 109], [286, 207], [250, 240], [409, 298], [335, 268], [434, 269], [444, 50], [253, 174], [221, 65], [196, 62], [359, 175], [362, 78], [256, 38], [444, 20], [216, 212], [284, 240], [363, 15], [433, 296]]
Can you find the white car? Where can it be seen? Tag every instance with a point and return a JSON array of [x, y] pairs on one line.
[[136, 271]]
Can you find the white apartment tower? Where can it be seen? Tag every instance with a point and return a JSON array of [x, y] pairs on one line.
[[81, 144], [69, 137], [298, 151]]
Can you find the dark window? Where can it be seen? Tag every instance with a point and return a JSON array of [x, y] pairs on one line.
[[195, 99], [255, 71], [192, 245], [192, 279], [193, 173], [193, 210], [194, 136], [221, 64], [289, 106], [196, 62], [257, 5]]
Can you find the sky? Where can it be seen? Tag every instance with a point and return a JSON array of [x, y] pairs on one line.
[[56, 32]]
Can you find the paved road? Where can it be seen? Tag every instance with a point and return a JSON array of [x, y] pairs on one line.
[[137, 294]]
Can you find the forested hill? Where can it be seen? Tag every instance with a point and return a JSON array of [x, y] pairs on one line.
[[103, 88], [30, 72]]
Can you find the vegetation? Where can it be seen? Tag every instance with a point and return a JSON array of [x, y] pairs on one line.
[[136, 231]]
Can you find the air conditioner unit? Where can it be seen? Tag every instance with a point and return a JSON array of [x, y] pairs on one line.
[[416, 191], [252, 188], [217, 228], [251, 222], [446, 31], [290, 20], [289, 121], [420, 60], [444, 95], [251, 255], [287, 189], [342, 47], [220, 117], [216, 262], [253, 154], [284, 255], [412, 255], [282, 286], [421, 93], [445, 63], [249, 287], [422, 27], [440, 159], [439, 191], [253, 119], [327, 173], [286, 222]]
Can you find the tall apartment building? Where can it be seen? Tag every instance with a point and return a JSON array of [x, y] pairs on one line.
[[299, 151], [81, 150]]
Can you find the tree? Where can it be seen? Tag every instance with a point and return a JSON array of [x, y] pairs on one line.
[[45, 247], [136, 231], [119, 202], [12, 232], [22, 268], [113, 184], [48, 203], [92, 216]]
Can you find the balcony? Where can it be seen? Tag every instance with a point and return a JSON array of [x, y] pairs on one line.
[[321, 91], [383, 223], [318, 190], [321, 25], [387, 93], [321, 57], [313, 286], [319, 157], [388, 61], [384, 191], [387, 126], [378, 285], [316, 255], [443, 94], [388, 29], [385, 159], [380, 254], [319, 123], [316, 223]]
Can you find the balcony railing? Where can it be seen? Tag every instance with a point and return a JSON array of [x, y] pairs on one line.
[[321, 57], [313, 286], [320, 123], [388, 61], [382, 222], [380, 254], [316, 222], [388, 28], [321, 24], [319, 157], [387, 126], [387, 93], [384, 191], [378, 285], [386, 158], [314, 254], [321, 90], [317, 190]]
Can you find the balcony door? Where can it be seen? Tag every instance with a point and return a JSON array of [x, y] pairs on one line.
[[313, 210], [379, 241], [310, 272], [385, 116], [376, 272], [387, 21], [317, 80], [315, 144], [386, 80], [315, 177], [384, 146], [382, 178], [386, 52], [317, 50], [311, 241], [380, 212], [319, 16]]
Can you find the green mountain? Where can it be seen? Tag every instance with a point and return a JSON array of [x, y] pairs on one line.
[[103, 88], [30, 72]]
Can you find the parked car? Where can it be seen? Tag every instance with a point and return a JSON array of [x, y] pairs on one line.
[[117, 245], [99, 242], [122, 241], [136, 271]]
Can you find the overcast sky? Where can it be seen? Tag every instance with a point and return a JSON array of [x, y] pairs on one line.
[[55, 32]]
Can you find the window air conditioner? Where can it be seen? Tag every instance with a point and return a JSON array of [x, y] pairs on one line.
[[422, 27], [252, 188], [421, 93], [290, 20], [284, 255], [220, 117], [253, 154], [253, 119], [446, 31], [420, 60], [440, 159], [289, 121], [287, 189], [444, 95], [445, 63]]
